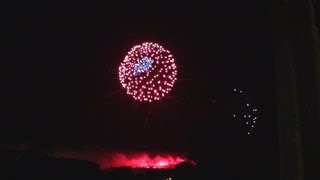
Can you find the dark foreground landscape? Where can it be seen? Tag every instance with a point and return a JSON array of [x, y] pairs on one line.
[[32, 165]]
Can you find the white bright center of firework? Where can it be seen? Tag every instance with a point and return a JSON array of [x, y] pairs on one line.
[[142, 66]]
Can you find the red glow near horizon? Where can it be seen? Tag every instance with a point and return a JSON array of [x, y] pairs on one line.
[[143, 160]]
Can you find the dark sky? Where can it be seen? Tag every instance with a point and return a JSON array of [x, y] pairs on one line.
[[60, 84]]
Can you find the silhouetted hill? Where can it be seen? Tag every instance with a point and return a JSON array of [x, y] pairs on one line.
[[34, 165], [30, 165]]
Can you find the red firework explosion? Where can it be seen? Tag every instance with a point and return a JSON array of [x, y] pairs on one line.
[[148, 72]]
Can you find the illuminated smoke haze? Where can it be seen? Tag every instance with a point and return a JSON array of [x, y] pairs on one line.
[[145, 160]]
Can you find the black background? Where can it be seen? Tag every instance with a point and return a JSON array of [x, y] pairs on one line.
[[60, 86]]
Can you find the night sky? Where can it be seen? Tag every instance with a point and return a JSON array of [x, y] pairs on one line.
[[60, 87]]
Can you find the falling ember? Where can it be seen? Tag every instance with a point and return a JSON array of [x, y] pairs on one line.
[[246, 111], [143, 160]]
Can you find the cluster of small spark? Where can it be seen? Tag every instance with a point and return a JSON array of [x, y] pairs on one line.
[[142, 66], [248, 113], [148, 72]]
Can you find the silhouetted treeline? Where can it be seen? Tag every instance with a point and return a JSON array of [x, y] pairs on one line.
[[33, 165], [38, 166]]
